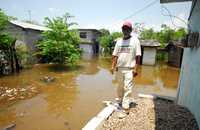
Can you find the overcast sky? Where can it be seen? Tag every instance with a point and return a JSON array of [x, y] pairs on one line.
[[99, 13]]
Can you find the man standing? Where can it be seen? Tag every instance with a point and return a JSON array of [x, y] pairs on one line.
[[125, 60]]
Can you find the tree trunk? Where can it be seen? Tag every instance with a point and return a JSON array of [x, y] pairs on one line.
[[16, 61], [11, 59]]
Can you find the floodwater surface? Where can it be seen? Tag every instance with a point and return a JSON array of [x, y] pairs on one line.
[[53, 97]]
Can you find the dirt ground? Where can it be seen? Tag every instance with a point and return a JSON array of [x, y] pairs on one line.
[[148, 114]]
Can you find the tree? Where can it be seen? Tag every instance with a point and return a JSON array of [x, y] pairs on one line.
[[104, 32], [147, 34], [116, 35], [5, 39], [7, 46], [165, 35], [107, 40], [3, 20], [60, 44]]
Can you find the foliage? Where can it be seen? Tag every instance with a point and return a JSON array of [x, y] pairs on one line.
[[104, 32], [5, 39], [147, 34], [161, 56], [107, 40], [23, 54], [164, 36], [3, 20], [60, 45]]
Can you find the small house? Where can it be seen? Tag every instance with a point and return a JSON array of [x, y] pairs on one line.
[[175, 54], [149, 50], [89, 43], [26, 33]]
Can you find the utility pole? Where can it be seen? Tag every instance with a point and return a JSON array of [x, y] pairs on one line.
[[29, 14]]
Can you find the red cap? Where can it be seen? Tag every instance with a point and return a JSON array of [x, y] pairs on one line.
[[128, 24]]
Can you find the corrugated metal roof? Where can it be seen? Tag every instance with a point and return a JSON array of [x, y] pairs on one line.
[[149, 43], [29, 25], [169, 1]]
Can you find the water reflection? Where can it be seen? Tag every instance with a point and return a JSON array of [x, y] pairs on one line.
[[90, 67], [76, 94], [160, 79]]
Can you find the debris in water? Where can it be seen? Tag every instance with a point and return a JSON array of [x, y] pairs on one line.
[[9, 127], [47, 79]]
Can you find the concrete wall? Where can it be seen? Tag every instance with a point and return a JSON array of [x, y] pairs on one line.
[[27, 36], [31, 38], [87, 48], [189, 83], [149, 56], [89, 45], [90, 36]]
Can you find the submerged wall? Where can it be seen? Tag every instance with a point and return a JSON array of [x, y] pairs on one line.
[[149, 56]]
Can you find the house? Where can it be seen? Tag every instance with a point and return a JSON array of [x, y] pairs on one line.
[[175, 54], [189, 81], [149, 50], [26, 33], [89, 43]]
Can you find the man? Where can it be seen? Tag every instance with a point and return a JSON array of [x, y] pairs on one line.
[[125, 60]]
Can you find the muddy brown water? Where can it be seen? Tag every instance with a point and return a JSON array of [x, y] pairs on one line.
[[75, 96]]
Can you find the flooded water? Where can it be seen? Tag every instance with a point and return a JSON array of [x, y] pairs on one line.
[[73, 96]]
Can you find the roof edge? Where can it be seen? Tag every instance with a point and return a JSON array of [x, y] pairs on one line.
[[173, 1]]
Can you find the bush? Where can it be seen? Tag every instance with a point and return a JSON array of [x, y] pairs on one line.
[[23, 55], [161, 56], [60, 44], [107, 40]]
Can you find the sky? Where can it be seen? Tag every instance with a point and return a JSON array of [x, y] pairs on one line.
[[97, 14]]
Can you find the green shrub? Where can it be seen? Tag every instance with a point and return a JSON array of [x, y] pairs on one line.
[[60, 44]]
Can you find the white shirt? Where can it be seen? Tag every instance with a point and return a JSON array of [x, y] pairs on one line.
[[126, 51]]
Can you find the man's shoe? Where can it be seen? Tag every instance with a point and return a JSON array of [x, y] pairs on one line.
[[122, 114]]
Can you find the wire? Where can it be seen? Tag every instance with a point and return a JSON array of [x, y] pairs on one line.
[[136, 12], [140, 10], [170, 15]]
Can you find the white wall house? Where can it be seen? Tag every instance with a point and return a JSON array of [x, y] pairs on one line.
[[149, 50]]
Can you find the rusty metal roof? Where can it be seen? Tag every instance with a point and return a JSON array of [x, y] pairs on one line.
[[29, 25]]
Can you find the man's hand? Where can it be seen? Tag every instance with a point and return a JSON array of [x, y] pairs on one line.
[[134, 72], [112, 70], [114, 62]]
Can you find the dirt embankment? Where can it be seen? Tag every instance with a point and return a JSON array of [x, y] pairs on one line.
[[150, 114]]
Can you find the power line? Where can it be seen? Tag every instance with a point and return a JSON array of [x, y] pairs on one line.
[[137, 12], [170, 15], [140, 10], [29, 14]]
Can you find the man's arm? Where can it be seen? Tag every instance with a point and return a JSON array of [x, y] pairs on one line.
[[137, 59], [114, 62]]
